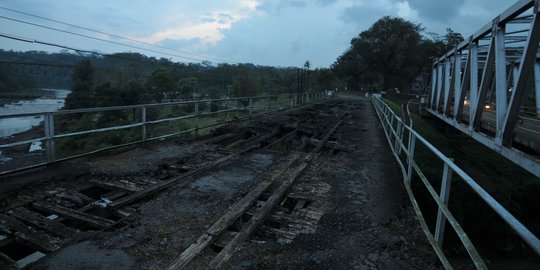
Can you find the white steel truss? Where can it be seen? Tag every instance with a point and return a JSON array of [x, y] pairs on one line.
[[486, 85]]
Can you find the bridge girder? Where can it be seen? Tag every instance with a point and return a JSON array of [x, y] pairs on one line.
[[508, 60]]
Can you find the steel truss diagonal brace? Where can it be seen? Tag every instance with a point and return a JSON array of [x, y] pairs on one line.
[[487, 78], [522, 80]]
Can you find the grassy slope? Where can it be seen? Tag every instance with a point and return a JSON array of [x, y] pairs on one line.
[[515, 188]]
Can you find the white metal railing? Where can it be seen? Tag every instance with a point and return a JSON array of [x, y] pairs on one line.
[[252, 106], [395, 129]]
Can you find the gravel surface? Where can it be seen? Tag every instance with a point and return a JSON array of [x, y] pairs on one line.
[[356, 214], [366, 221]]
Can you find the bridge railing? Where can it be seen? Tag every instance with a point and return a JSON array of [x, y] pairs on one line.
[[120, 126], [403, 141]]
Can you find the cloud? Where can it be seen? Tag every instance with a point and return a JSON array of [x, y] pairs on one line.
[[326, 2], [440, 11], [362, 15], [465, 18], [205, 28], [287, 37], [269, 32], [280, 5], [366, 13]]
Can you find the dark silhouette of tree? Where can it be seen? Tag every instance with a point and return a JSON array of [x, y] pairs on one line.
[[82, 93], [245, 84], [390, 54]]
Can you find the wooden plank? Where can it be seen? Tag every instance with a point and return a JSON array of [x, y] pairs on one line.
[[74, 196], [7, 261], [235, 212], [130, 187], [31, 237], [220, 138], [162, 185], [255, 139], [259, 217], [94, 221], [224, 239], [111, 197], [287, 137], [35, 219], [260, 138]]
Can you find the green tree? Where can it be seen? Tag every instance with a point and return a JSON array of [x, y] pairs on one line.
[[384, 55], [324, 78], [452, 39], [82, 93], [187, 86], [245, 84], [390, 54], [159, 82]]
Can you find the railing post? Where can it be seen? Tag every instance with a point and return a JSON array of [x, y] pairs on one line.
[[412, 144], [390, 123], [143, 122], [397, 144], [444, 195], [401, 133], [227, 109], [278, 105], [266, 102], [197, 118], [250, 105], [237, 108], [49, 134]]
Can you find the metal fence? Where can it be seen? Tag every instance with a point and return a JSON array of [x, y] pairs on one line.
[[403, 140], [140, 122]]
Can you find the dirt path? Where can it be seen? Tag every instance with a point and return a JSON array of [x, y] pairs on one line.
[[365, 223]]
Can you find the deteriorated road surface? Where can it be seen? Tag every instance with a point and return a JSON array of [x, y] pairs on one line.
[[346, 210]]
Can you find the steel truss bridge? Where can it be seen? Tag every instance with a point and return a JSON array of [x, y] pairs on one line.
[[489, 85]]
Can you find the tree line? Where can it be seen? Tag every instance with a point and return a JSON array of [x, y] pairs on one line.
[[391, 54], [131, 78]]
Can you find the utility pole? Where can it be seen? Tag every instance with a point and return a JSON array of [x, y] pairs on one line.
[[299, 84], [306, 69]]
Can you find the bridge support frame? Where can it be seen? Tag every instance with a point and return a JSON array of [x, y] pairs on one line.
[[494, 50]]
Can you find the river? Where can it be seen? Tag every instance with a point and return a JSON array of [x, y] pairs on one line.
[[48, 103], [10, 126]]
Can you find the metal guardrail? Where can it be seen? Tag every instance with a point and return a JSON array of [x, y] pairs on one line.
[[254, 106], [395, 129]]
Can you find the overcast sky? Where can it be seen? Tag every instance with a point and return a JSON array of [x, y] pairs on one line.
[[264, 32]]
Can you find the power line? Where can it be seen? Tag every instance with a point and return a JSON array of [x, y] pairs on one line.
[[99, 39], [109, 34], [63, 66], [30, 40]]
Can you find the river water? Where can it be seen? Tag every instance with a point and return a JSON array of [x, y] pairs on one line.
[[10, 126], [50, 103]]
